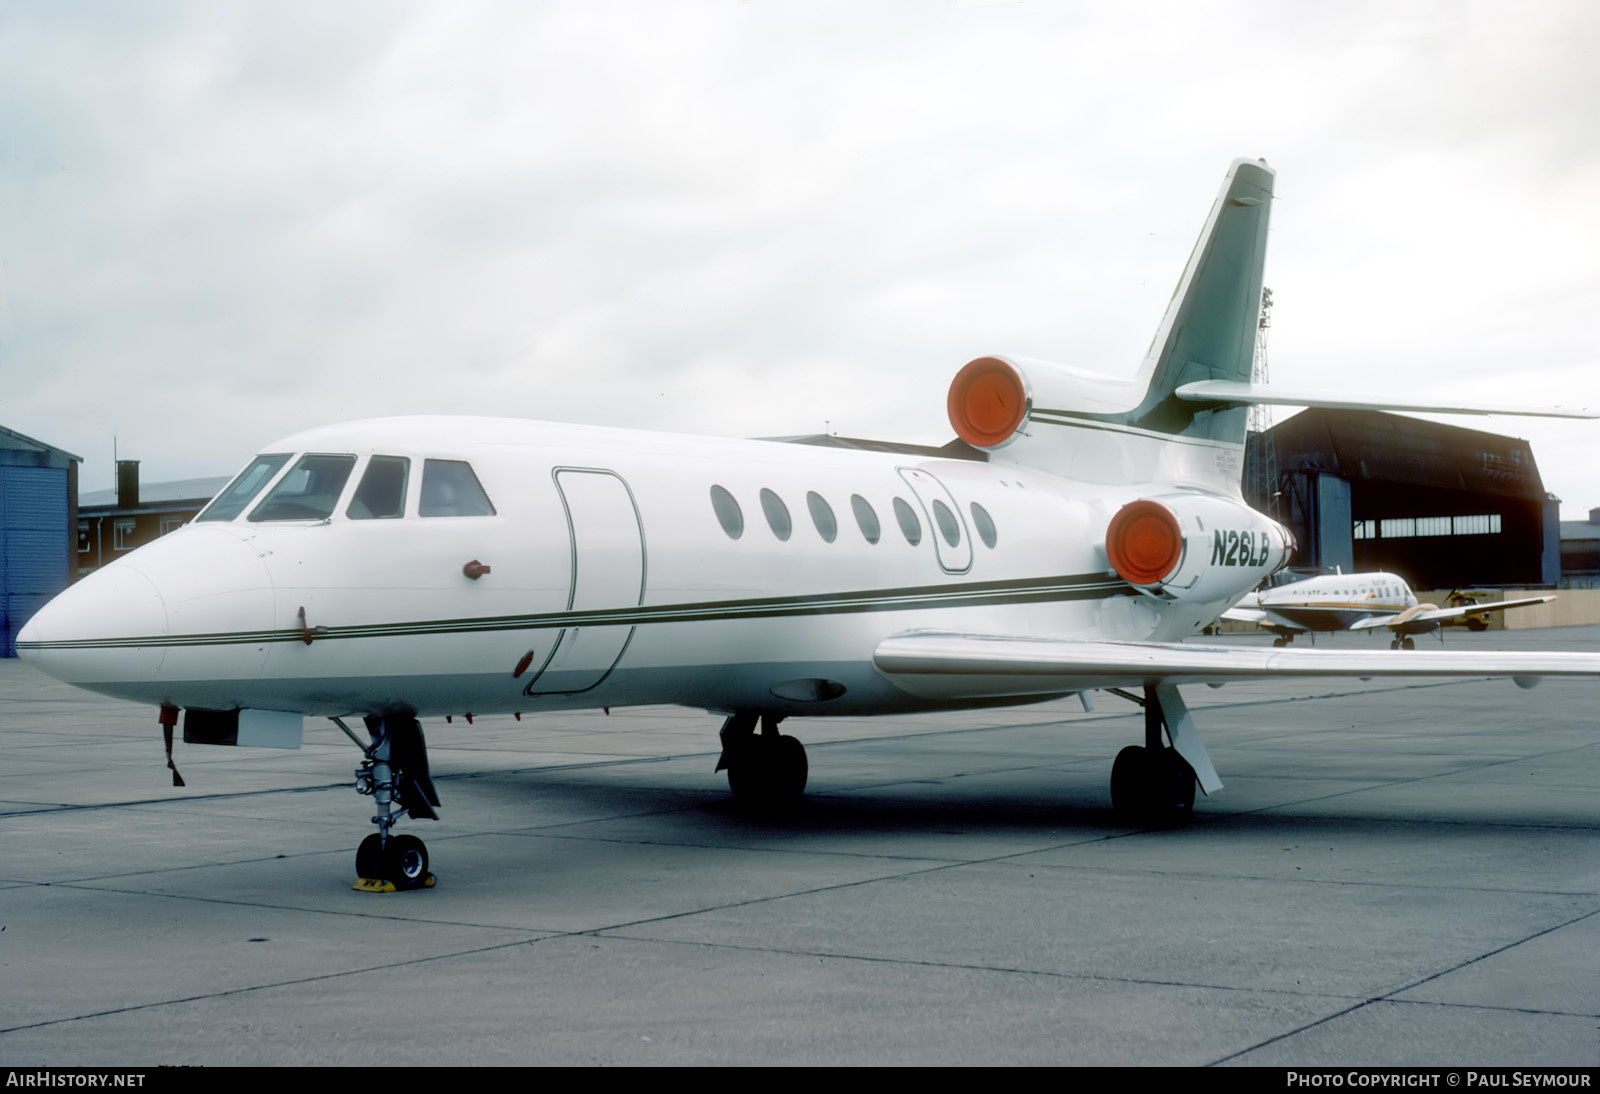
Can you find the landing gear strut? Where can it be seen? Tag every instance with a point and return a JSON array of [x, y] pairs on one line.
[[395, 774], [766, 771], [1151, 784]]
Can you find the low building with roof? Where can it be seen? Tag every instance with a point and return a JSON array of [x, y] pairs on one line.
[[113, 522], [1580, 552]]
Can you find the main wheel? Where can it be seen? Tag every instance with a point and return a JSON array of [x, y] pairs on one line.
[[1130, 783], [768, 772], [1171, 789], [1408, 644], [369, 858], [789, 770], [405, 861], [1152, 788]]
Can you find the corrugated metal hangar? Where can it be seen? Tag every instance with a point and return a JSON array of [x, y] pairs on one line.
[[38, 510], [1443, 507]]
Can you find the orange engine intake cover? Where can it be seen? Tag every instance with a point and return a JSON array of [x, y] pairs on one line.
[[988, 402], [1144, 542]]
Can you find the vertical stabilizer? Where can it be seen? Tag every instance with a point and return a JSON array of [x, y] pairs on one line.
[[1098, 428], [1209, 330]]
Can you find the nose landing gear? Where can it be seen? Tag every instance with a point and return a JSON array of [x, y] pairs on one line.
[[395, 774]]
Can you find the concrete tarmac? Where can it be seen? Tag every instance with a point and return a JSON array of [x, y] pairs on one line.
[[1394, 874]]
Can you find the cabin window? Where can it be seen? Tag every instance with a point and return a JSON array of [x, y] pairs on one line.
[[866, 518], [949, 527], [450, 489], [777, 514], [910, 523], [729, 515], [308, 491], [984, 523], [382, 493], [822, 516], [243, 490]]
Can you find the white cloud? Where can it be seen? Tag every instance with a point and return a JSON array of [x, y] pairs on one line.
[[222, 223]]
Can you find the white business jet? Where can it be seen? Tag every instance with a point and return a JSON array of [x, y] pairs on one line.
[[418, 567], [1356, 602]]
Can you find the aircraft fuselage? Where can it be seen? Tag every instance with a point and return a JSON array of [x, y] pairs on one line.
[[612, 579]]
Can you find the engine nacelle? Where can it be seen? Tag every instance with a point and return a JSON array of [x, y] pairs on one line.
[[1195, 546], [991, 397]]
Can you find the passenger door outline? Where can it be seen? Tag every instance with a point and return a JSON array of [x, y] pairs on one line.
[[953, 560], [602, 519]]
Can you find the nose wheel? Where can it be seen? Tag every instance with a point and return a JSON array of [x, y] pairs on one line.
[[395, 775]]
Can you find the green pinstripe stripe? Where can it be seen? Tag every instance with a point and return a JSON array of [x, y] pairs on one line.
[[1014, 591]]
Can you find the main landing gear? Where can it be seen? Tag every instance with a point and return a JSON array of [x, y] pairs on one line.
[[1151, 784], [1402, 644], [766, 770], [395, 774]]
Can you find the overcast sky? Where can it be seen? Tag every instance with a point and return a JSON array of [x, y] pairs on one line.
[[224, 222]]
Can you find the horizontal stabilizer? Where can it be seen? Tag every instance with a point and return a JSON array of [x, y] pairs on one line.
[[951, 666], [1234, 392]]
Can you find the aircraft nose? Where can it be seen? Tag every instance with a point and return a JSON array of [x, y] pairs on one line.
[[149, 625], [106, 629]]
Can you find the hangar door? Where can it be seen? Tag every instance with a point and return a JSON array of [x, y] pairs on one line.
[[33, 544]]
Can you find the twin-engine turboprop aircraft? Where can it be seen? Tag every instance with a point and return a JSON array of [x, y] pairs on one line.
[[1356, 602], [417, 567]]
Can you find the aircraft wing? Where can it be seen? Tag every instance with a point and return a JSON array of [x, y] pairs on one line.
[[1425, 619], [973, 666], [1479, 609]]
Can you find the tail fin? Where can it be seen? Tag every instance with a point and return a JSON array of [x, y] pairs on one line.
[[1103, 429], [1209, 330]]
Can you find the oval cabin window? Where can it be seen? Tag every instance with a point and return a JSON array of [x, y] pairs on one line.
[[729, 515], [777, 514]]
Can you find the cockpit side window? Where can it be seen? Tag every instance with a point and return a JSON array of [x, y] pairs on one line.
[[308, 491], [450, 489], [382, 493], [243, 490]]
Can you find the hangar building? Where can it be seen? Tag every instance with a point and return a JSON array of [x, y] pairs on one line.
[[1443, 507], [38, 507]]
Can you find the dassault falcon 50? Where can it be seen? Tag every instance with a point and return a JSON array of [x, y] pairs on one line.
[[1357, 602], [408, 568]]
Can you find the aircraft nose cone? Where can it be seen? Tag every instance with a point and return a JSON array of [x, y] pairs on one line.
[[105, 630]]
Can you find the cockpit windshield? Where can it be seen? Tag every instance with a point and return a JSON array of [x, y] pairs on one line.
[[450, 489], [309, 490], [242, 490], [382, 493]]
